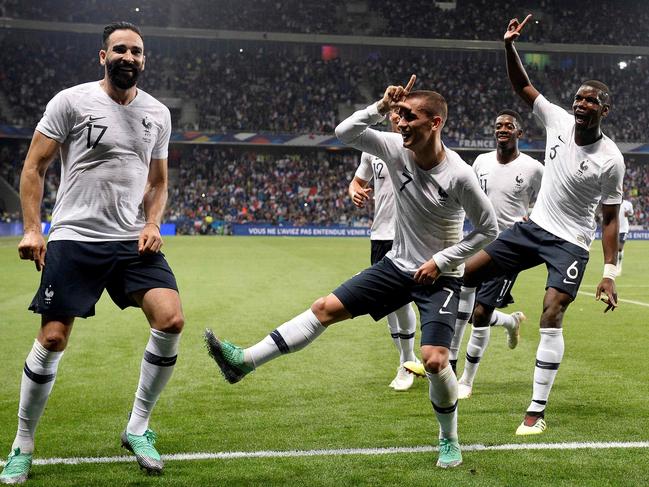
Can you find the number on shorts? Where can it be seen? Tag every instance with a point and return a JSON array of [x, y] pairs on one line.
[[443, 310], [505, 289], [572, 271]]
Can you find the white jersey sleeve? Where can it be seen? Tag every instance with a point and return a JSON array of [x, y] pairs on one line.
[[355, 132], [626, 210], [364, 170], [58, 119], [161, 147]]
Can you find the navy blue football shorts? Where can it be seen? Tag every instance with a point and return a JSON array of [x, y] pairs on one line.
[[383, 288], [497, 292], [526, 245], [378, 250], [76, 274]]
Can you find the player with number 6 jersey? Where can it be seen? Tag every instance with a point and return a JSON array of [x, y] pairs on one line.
[[583, 168]]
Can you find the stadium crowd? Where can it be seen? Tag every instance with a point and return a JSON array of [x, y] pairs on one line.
[[277, 88], [213, 186], [470, 19]]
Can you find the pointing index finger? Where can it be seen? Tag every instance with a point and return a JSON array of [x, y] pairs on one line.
[[410, 84]]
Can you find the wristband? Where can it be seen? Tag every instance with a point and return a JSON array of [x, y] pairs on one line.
[[610, 271], [152, 223]]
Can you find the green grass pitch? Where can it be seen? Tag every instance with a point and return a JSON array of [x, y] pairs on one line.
[[334, 394]]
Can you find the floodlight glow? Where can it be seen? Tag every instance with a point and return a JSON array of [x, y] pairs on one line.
[[622, 64]]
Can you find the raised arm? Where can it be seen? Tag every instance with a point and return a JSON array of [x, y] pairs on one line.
[[354, 131], [515, 70], [42, 151], [610, 230]]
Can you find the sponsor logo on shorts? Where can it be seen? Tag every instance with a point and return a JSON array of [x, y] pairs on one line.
[[566, 281]]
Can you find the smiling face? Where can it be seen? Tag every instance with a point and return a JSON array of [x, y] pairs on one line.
[[416, 125], [507, 131], [123, 58], [589, 107]]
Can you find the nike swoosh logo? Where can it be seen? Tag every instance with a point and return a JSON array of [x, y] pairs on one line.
[[444, 312], [559, 137], [92, 119], [567, 282]]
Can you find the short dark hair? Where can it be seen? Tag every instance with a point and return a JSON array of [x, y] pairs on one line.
[[434, 103], [602, 87], [122, 25], [512, 113]]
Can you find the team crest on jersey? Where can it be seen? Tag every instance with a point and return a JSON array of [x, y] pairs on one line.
[[518, 185], [583, 167], [49, 294], [147, 124], [443, 195]]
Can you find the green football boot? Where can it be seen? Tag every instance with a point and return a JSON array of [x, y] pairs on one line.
[[228, 357], [449, 453], [17, 468], [145, 453]]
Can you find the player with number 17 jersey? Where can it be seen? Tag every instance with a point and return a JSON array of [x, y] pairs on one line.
[[105, 153]]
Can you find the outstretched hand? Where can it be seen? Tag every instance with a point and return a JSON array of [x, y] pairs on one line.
[[394, 96], [514, 29], [607, 286]]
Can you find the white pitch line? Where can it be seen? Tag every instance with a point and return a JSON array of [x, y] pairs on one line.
[[639, 303], [345, 451]]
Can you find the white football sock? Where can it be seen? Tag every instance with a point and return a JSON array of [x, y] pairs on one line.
[[502, 319], [155, 371], [289, 337], [393, 326], [407, 322], [442, 391], [38, 378], [620, 256], [474, 352], [464, 310], [548, 358]]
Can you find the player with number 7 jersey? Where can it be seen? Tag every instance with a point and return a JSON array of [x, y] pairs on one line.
[[433, 190]]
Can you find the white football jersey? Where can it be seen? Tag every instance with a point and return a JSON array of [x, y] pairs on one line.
[[511, 187], [371, 167], [576, 178], [626, 210], [105, 155], [429, 205]]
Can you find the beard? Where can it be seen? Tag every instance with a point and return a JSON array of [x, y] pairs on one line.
[[123, 75]]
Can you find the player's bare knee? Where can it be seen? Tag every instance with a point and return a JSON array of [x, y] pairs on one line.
[[434, 361], [173, 324], [481, 317], [321, 310], [53, 340]]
